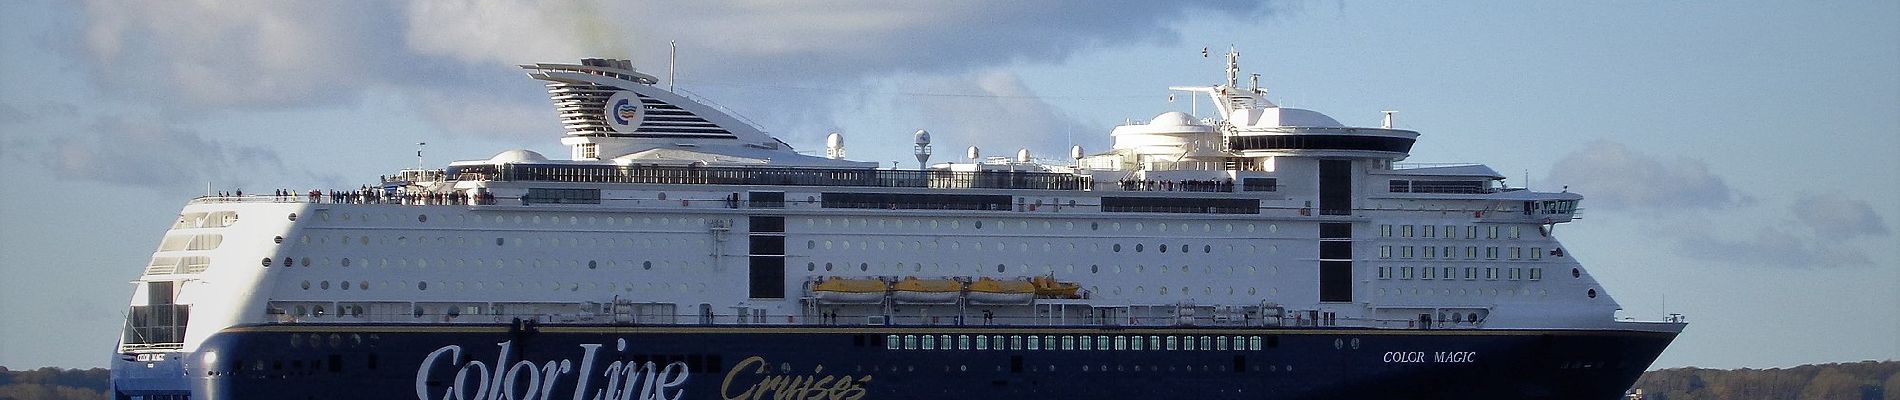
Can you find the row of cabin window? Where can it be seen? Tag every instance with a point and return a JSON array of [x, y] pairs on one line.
[[1451, 273], [1471, 252], [1068, 342], [1024, 225], [1451, 231]]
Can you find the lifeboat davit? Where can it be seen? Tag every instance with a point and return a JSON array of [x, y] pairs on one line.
[[992, 291], [926, 291], [849, 291], [1049, 288]]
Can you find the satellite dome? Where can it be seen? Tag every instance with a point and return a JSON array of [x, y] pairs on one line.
[[835, 140], [1075, 152], [923, 137], [1173, 118], [974, 153], [1304, 117], [1022, 155], [518, 156]]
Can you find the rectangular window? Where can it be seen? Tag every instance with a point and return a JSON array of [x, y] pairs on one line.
[[561, 196], [1517, 252], [1068, 343], [1385, 272], [1335, 281], [1537, 253], [1406, 230], [1034, 344], [1451, 251], [1471, 232], [1491, 232], [1471, 252], [910, 342], [1517, 273], [1174, 205], [892, 342], [1259, 184], [1385, 251], [982, 342], [1491, 252], [1537, 274], [1471, 273], [1385, 230], [1173, 343], [1134, 343], [765, 199], [963, 342], [1086, 344], [1121, 343], [1253, 343], [1450, 273], [1187, 343], [1220, 343], [1431, 251], [1405, 273], [1015, 342], [1451, 231], [1515, 233], [1490, 273], [1426, 273], [1429, 231], [1405, 252], [1154, 343]]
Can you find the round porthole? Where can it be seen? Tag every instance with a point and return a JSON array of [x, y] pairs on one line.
[[1164, 248], [267, 261], [827, 266], [1118, 247], [306, 285], [1137, 247], [422, 218], [422, 285], [1593, 293], [999, 268], [1576, 273], [279, 240], [864, 266], [1093, 269], [290, 262], [979, 224], [811, 266], [591, 264], [293, 216], [325, 285], [647, 265]]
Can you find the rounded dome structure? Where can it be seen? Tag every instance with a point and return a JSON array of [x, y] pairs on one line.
[[923, 137], [1173, 118], [835, 140], [518, 156], [1303, 117]]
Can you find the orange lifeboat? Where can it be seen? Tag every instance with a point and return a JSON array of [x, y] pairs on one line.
[[992, 291], [849, 291], [926, 291], [1049, 288]]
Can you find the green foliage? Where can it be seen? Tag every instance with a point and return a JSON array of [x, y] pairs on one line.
[[1846, 381], [54, 384]]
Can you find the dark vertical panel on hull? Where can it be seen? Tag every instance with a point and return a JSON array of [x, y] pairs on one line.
[[1335, 265], [1335, 187], [766, 274]]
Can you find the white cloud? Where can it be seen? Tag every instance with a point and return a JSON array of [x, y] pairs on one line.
[[994, 111], [140, 152], [211, 55], [1835, 217], [1770, 247], [1614, 176]]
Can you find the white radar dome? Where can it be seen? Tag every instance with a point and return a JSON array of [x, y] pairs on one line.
[[923, 137], [518, 156], [1173, 118]]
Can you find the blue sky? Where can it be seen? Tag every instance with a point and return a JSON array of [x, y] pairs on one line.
[[1733, 155]]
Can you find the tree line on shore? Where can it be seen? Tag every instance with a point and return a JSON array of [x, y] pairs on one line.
[[1876, 380]]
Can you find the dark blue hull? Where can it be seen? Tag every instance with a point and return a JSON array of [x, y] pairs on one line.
[[799, 362]]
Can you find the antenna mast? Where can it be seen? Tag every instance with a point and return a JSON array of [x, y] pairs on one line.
[[672, 64]]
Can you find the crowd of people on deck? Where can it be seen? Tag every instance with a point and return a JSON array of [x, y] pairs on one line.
[[1226, 185], [371, 195]]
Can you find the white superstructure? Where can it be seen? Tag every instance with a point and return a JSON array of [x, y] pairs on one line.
[[672, 212]]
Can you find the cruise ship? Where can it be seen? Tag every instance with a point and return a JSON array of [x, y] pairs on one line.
[[681, 252]]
